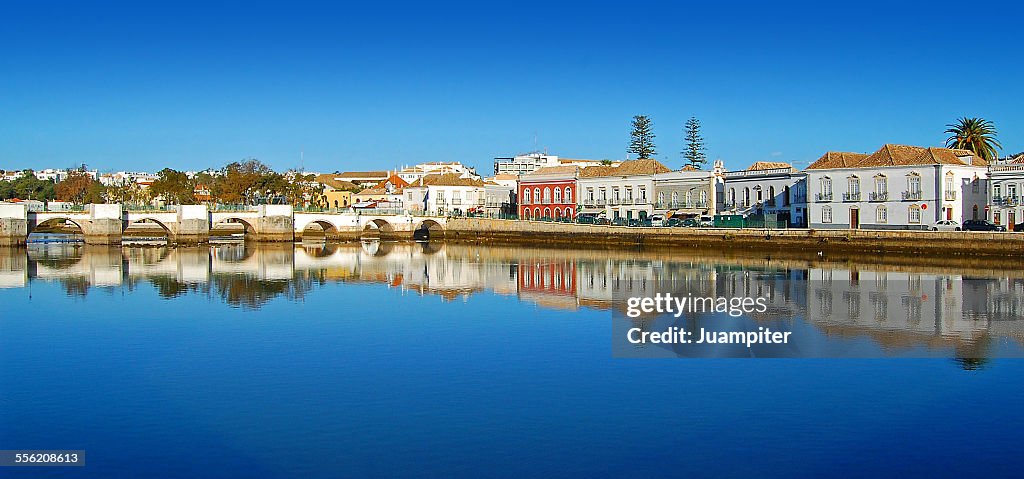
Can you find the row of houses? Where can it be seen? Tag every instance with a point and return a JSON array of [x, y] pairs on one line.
[[896, 187]]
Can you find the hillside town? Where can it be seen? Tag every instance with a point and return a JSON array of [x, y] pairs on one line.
[[897, 187]]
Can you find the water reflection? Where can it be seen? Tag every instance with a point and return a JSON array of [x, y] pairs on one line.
[[897, 304]]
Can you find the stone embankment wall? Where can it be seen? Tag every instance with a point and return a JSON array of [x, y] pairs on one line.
[[807, 241]]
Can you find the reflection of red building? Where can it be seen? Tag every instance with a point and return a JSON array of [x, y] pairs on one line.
[[548, 193], [555, 277]]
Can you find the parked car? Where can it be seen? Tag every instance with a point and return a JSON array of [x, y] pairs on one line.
[[657, 220], [1018, 227], [982, 225], [706, 221], [946, 225]]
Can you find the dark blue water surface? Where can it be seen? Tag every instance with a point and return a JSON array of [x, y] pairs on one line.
[[351, 362]]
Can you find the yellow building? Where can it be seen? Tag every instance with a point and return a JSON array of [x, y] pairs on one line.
[[337, 192]]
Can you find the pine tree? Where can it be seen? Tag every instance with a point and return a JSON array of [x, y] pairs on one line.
[[694, 153], [641, 143]]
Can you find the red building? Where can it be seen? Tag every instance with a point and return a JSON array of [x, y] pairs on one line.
[[548, 193]]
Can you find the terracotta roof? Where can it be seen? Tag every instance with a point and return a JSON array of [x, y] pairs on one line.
[[362, 174], [688, 168], [768, 165], [394, 180], [627, 168], [899, 155], [505, 176], [447, 179], [332, 181], [553, 170], [837, 159], [378, 191], [1018, 159]]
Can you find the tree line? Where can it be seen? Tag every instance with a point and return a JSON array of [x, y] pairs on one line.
[[248, 182]]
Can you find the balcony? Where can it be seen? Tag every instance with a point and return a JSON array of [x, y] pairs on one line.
[[627, 201], [456, 201], [950, 195], [613, 201], [670, 205], [879, 196], [601, 202], [855, 196], [589, 202], [911, 195], [823, 197], [1006, 201]]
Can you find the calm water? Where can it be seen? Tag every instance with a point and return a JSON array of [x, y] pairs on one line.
[[410, 359]]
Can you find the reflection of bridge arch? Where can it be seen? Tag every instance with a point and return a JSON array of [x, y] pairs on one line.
[[428, 229]]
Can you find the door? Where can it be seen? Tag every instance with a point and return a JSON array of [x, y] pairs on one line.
[[949, 214], [1012, 221], [854, 218]]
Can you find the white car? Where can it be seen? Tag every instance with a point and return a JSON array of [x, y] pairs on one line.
[[946, 225]]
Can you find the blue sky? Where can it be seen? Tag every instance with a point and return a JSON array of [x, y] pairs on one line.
[[372, 86]]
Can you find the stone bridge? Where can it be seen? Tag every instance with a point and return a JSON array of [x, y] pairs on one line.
[[191, 224]]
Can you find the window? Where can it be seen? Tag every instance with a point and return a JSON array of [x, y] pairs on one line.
[[590, 194], [746, 196], [950, 182], [526, 196], [661, 198], [826, 214], [881, 215], [881, 185], [558, 195], [853, 184], [547, 195], [547, 212], [771, 196], [604, 194], [629, 193], [914, 183], [703, 197], [568, 194], [732, 196], [675, 198], [642, 191], [826, 186], [615, 194], [997, 191], [536, 196], [440, 196], [568, 212], [760, 194], [915, 214]]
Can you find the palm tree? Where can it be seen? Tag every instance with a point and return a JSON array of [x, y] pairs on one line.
[[974, 134]]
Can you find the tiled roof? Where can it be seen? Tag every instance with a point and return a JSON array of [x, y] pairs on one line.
[[394, 180], [505, 176], [1018, 159], [899, 155], [362, 174], [902, 155], [447, 179], [769, 165], [627, 168], [837, 159], [554, 170], [336, 183], [378, 191]]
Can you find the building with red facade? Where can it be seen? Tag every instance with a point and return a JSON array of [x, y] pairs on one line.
[[548, 193]]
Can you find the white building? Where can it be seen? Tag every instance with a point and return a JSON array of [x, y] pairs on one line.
[[766, 187], [1006, 187], [412, 174], [687, 192], [897, 187], [625, 191], [447, 194], [528, 163]]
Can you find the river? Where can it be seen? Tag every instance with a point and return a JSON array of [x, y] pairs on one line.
[[383, 359]]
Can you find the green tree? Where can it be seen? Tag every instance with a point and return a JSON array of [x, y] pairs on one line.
[[974, 134], [80, 188], [694, 152], [175, 187], [28, 187], [641, 141], [247, 182]]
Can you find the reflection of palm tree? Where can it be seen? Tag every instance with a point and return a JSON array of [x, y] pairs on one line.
[[974, 134]]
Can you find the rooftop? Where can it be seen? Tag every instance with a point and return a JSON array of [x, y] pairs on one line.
[[627, 168], [447, 179]]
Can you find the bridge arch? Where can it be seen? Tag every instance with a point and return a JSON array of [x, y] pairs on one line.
[[247, 227], [146, 220], [428, 229], [378, 227], [63, 219], [329, 229]]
